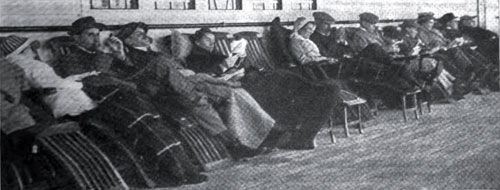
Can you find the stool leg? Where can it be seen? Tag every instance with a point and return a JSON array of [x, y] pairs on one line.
[[346, 122], [360, 123], [403, 98], [332, 136], [429, 105], [419, 99], [415, 101]]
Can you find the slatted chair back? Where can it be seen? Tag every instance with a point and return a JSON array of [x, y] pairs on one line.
[[81, 158], [257, 54], [222, 43]]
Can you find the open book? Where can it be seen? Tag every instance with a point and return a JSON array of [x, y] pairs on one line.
[[232, 73]]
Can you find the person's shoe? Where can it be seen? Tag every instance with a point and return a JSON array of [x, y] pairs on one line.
[[299, 145], [195, 179]]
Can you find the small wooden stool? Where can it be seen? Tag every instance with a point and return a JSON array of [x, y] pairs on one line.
[[415, 100], [356, 103], [424, 98]]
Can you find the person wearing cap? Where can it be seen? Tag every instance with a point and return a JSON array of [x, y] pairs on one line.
[[368, 34], [327, 38], [469, 73], [487, 41], [467, 21], [303, 49], [425, 69], [120, 101], [68, 99], [87, 53]]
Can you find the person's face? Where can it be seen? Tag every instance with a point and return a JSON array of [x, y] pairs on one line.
[[307, 30], [207, 41], [429, 24], [139, 38], [323, 26], [412, 32], [453, 24], [469, 23], [88, 39], [368, 26]]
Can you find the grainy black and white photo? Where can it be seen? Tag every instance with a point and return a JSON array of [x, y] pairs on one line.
[[249, 94]]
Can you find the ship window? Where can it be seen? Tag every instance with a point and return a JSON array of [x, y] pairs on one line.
[[267, 5], [224, 4], [303, 4], [175, 4], [114, 4]]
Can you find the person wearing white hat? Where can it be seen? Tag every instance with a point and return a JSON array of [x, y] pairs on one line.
[[303, 49]]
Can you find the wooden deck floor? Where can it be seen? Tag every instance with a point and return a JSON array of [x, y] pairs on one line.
[[457, 146]]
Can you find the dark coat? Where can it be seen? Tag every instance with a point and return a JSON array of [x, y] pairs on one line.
[[204, 61]]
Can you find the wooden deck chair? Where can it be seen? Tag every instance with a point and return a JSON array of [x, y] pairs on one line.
[[257, 54], [80, 157], [206, 154]]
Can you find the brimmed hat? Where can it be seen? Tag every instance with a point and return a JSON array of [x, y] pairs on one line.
[[409, 24], [299, 23], [13, 45], [323, 17], [467, 17], [447, 18], [369, 17], [424, 17], [84, 23], [127, 29]]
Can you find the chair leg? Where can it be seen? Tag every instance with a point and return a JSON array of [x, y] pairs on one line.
[[415, 101], [429, 105], [420, 105], [332, 136], [403, 98], [346, 122], [360, 123]]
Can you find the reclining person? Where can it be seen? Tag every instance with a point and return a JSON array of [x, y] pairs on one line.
[[68, 98], [204, 59], [124, 105], [239, 119], [303, 49], [331, 42], [460, 65], [16, 122], [378, 61], [412, 46], [450, 30], [487, 41], [275, 91]]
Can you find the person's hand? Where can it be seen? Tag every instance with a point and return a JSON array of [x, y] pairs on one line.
[[116, 47], [332, 60], [80, 77]]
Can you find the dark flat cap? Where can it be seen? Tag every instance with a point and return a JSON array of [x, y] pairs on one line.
[[409, 24], [447, 18], [127, 29], [323, 16], [467, 17], [424, 17], [83, 24], [369, 17]]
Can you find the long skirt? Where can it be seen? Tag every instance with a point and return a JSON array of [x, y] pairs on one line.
[[243, 116]]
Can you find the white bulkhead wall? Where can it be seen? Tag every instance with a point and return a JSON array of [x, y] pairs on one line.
[[64, 12]]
